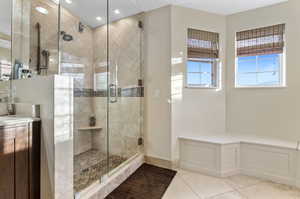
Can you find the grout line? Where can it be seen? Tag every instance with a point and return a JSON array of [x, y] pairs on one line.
[[184, 181], [242, 194], [226, 193], [245, 187], [225, 180], [237, 189], [213, 195], [219, 194]]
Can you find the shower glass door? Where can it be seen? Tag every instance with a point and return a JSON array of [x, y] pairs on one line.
[[125, 82], [83, 56], [103, 53]]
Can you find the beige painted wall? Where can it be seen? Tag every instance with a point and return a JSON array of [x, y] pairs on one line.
[[270, 112], [266, 112], [195, 111], [157, 83]]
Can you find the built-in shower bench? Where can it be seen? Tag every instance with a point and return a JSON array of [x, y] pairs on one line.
[[225, 156]]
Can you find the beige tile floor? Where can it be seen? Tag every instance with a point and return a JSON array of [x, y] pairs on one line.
[[190, 185]]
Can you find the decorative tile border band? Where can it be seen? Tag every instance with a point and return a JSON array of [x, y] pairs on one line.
[[122, 92]]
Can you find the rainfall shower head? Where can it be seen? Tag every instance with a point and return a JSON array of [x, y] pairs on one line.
[[66, 37]]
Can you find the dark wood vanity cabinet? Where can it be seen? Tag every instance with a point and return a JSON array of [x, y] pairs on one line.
[[20, 161]]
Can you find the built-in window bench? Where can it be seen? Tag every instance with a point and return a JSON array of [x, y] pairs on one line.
[[225, 156]]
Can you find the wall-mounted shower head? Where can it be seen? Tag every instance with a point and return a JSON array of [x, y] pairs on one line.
[[66, 37]]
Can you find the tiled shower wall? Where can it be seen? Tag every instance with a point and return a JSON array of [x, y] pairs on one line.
[[77, 61], [85, 58], [49, 35]]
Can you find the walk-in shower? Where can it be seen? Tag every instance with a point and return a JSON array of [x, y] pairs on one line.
[[105, 59]]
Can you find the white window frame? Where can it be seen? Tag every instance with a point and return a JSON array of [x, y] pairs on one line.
[[215, 64], [282, 75]]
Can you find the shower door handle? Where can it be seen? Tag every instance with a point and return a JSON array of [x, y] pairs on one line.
[[113, 87], [113, 96]]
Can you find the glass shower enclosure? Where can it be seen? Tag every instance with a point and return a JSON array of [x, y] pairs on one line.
[[101, 48]]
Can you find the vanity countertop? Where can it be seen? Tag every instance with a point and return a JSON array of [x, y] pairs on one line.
[[15, 120]]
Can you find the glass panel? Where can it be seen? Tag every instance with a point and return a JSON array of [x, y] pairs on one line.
[[194, 78], [199, 73], [206, 79], [44, 25], [6, 8], [247, 64], [268, 78], [247, 79], [269, 62], [193, 67], [125, 69], [206, 67], [259, 70], [5, 39], [83, 50]]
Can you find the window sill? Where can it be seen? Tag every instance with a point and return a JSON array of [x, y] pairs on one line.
[[253, 87], [199, 87]]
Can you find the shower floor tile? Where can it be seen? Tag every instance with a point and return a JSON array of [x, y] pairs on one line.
[[90, 166]]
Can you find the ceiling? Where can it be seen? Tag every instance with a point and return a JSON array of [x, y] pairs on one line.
[[88, 10], [5, 16]]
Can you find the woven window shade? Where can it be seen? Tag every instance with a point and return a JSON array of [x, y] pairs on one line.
[[260, 41], [202, 44]]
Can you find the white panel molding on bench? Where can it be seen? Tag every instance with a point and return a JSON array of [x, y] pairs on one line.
[[272, 163], [209, 158], [227, 157]]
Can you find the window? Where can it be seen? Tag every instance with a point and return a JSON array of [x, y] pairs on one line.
[[5, 70], [203, 54], [5, 57], [200, 73], [260, 54]]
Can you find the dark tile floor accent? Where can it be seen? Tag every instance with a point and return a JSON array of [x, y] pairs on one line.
[[148, 182]]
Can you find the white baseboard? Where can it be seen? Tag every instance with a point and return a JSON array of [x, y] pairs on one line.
[[158, 162], [215, 173], [268, 176], [196, 168], [230, 173]]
